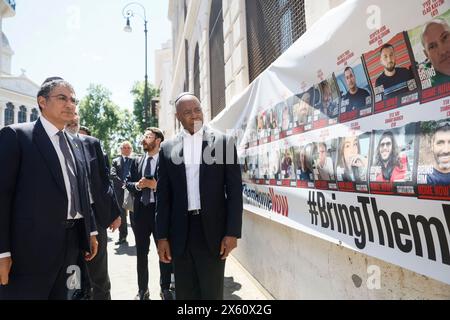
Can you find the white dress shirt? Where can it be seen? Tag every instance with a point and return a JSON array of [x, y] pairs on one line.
[[54, 138], [192, 154]]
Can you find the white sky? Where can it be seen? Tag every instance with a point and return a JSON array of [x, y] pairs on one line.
[[83, 41]]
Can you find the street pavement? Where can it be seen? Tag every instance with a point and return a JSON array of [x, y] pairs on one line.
[[239, 284]]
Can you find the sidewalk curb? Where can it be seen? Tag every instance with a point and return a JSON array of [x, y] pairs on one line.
[[251, 278]]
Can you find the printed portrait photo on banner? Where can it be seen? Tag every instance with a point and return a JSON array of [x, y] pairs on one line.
[[430, 44], [433, 171], [303, 164], [353, 158], [391, 74], [393, 160], [355, 92], [324, 163]]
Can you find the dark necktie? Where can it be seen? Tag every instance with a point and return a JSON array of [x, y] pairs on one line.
[[147, 191], [125, 168], [70, 166]]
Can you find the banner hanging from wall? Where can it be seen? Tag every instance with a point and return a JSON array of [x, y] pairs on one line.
[[347, 135]]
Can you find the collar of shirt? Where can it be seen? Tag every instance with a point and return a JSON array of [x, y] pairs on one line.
[[154, 160], [185, 133], [155, 157], [49, 127]]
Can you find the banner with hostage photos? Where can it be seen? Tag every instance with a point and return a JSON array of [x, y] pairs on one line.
[[347, 135]]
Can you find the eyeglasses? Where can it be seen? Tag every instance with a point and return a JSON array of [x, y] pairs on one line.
[[65, 99], [385, 144]]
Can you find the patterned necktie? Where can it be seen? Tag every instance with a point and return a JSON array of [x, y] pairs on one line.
[[147, 191], [70, 166]]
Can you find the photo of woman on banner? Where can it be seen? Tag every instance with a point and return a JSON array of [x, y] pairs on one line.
[[430, 44], [391, 76], [273, 121], [287, 163], [259, 125], [355, 91], [284, 116], [265, 132], [269, 162], [352, 163], [325, 159], [303, 162], [434, 160], [393, 160]]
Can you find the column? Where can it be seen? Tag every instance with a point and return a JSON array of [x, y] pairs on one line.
[[16, 113], [2, 114], [29, 109]]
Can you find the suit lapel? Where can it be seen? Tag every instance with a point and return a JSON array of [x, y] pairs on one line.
[[47, 150], [178, 153], [141, 165], [122, 168], [156, 169], [82, 146], [76, 146], [208, 142]]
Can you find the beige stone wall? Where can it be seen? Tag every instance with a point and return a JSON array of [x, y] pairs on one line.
[[293, 265]]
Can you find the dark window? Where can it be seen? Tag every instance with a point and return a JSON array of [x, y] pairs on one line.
[[272, 27], [34, 115], [9, 114], [12, 3], [196, 72], [216, 58], [22, 114]]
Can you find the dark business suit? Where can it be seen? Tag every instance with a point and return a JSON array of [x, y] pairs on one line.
[[143, 228], [105, 209], [33, 213], [195, 240], [119, 172]]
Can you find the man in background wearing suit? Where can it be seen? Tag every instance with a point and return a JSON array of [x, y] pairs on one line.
[[46, 221], [105, 208], [142, 182], [119, 171], [199, 209]]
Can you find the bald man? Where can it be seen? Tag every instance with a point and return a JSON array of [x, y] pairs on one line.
[[436, 44], [199, 206]]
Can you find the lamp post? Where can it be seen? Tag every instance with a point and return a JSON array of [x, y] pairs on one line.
[[127, 13]]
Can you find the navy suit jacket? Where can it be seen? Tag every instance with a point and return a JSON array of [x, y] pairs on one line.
[[33, 202], [118, 176], [106, 207], [220, 193]]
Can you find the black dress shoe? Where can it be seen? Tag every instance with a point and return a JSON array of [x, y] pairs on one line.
[[167, 294], [121, 241], [142, 295]]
